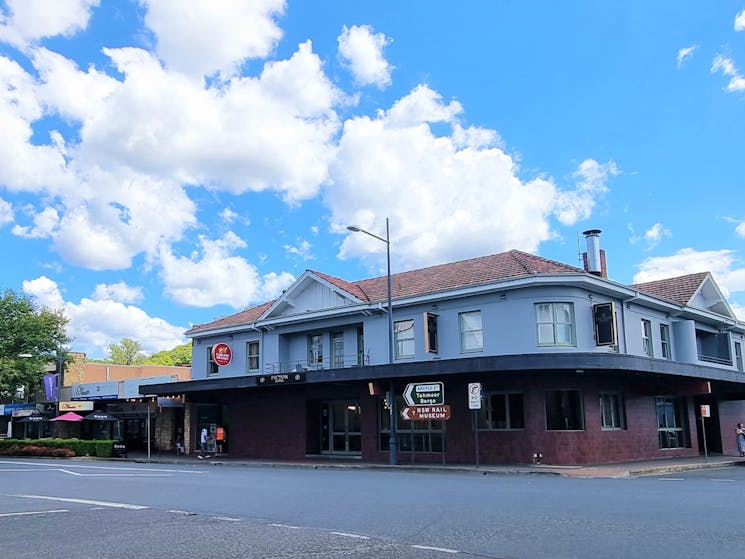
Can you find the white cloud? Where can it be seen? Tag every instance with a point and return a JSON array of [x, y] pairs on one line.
[[592, 183], [727, 67], [215, 276], [740, 21], [45, 223], [361, 51], [302, 249], [119, 292], [6, 212], [453, 199], [249, 134], [29, 20], [721, 263], [655, 234], [686, 53], [200, 38], [94, 324], [740, 229]]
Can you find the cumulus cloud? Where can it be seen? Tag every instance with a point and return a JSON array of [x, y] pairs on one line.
[[722, 264], [29, 20], [94, 324], [740, 229], [655, 234], [119, 291], [726, 66], [592, 183], [215, 276], [201, 38], [361, 51], [453, 199], [6, 212], [45, 223], [740, 21], [686, 53], [301, 249]]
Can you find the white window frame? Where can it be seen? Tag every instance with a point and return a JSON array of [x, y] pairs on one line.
[[613, 405], [253, 356], [337, 350], [738, 357], [555, 325], [403, 332], [647, 348], [665, 341], [468, 332]]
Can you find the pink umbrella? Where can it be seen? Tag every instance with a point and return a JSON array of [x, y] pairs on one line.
[[69, 416]]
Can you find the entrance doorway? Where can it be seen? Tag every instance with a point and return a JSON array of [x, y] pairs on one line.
[[341, 428]]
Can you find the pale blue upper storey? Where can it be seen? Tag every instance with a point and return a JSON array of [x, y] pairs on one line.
[[317, 325]]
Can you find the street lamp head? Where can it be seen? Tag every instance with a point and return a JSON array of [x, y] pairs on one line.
[[354, 228]]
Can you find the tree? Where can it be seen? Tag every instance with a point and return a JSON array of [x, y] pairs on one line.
[[30, 337], [126, 352], [177, 356]]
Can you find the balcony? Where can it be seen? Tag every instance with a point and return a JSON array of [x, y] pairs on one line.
[[301, 365], [713, 347]]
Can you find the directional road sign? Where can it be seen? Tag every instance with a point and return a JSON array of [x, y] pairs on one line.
[[425, 394], [426, 413]]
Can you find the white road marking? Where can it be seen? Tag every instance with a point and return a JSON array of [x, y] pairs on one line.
[[723, 480], [443, 549], [286, 526], [348, 535], [671, 478], [227, 518], [47, 466], [176, 511], [33, 512], [84, 502]]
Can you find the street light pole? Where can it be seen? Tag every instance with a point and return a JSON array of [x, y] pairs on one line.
[[392, 443]]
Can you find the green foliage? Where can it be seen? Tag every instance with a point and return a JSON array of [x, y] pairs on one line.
[[177, 356], [126, 352], [30, 337], [56, 447]]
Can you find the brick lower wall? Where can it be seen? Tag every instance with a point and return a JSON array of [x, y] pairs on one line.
[[279, 422]]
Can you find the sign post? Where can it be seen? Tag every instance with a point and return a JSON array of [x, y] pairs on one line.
[[705, 412], [474, 404]]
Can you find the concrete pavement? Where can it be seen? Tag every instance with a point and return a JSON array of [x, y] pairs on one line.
[[616, 470]]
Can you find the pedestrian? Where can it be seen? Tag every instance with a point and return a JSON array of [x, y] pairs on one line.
[[740, 431], [203, 443]]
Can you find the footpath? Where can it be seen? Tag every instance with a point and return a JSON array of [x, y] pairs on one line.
[[615, 470]]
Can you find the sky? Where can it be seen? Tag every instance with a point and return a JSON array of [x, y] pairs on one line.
[[164, 163]]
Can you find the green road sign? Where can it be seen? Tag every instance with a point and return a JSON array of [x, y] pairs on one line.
[[425, 394]]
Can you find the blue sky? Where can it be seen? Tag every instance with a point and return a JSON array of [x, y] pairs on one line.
[[167, 162]]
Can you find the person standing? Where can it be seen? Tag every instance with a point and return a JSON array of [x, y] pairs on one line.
[[203, 443], [740, 433]]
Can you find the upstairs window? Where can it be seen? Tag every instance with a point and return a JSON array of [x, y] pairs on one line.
[[647, 338], [555, 324], [252, 356], [315, 351], [404, 333], [665, 341], [337, 350], [212, 366], [738, 356], [471, 333]]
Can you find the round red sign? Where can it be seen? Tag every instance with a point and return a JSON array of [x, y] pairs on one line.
[[222, 354]]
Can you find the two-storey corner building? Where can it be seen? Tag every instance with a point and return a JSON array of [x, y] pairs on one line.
[[574, 368]]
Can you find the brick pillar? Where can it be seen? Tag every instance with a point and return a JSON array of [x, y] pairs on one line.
[[189, 414]]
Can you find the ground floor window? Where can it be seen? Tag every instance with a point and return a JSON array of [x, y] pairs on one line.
[[502, 410], [612, 411], [411, 436], [564, 411], [671, 422]]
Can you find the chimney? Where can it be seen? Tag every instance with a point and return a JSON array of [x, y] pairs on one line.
[[594, 258]]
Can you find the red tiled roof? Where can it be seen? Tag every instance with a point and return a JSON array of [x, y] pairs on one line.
[[453, 275], [246, 316], [679, 290]]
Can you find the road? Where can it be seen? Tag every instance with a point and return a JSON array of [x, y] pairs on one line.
[[80, 508]]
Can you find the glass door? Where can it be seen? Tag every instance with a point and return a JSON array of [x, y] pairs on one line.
[[341, 428]]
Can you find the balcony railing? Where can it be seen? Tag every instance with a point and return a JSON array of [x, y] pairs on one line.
[[300, 365], [717, 360]]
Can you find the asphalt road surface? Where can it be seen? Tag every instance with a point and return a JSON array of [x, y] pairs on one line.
[[95, 509]]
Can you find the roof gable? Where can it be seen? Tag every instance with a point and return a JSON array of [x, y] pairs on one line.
[[694, 290], [245, 317], [313, 291]]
